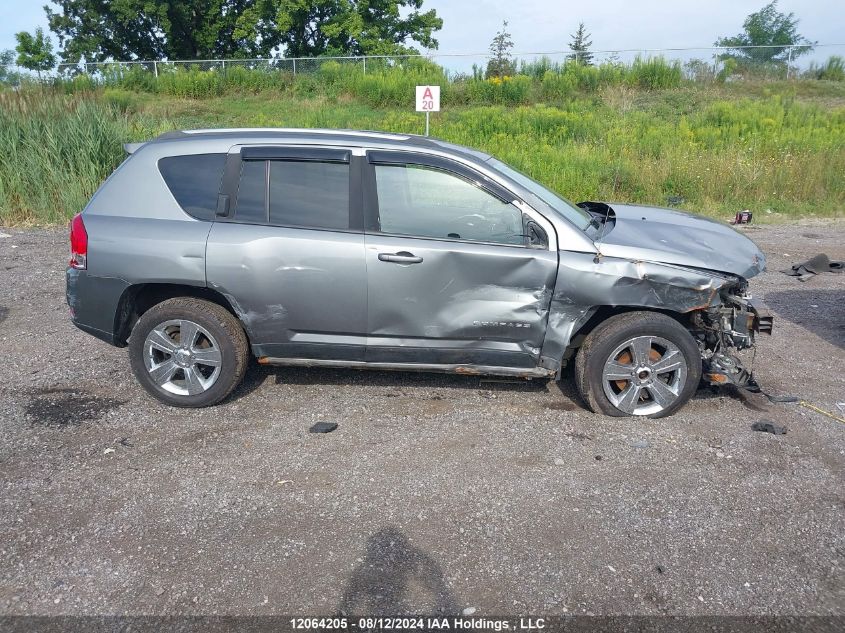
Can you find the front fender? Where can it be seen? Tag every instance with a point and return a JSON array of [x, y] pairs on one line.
[[586, 283]]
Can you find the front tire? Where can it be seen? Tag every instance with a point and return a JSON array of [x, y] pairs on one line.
[[188, 352], [638, 364]]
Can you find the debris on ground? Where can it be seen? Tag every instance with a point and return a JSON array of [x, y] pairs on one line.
[[813, 407], [468, 611], [323, 427], [766, 426], [814, 266], [742, 217], [782, 399]]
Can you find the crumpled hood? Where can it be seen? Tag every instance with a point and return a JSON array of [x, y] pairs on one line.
[[683, 239]]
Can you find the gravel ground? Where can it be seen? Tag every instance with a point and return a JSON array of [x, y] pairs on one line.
[[434, 492]]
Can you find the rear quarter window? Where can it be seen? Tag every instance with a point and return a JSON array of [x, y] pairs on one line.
[[194, 180]]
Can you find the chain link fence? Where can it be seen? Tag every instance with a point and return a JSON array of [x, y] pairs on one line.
[[698, 63]]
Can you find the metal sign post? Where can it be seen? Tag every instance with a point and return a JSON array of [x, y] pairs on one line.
[[428, 101]]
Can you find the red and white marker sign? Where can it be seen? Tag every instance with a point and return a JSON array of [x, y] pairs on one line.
[[428, 98]]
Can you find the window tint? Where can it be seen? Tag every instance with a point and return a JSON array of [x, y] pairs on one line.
[[427, 202], [251, 190], [194, 180], [309, 194]]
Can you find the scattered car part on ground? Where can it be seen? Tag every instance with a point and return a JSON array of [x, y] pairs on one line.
[[821, 263], [743, 217], [767, 426], [323, 427], [384, 251]]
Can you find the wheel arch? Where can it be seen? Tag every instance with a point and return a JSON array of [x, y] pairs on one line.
[[138, 298], [602, 314]]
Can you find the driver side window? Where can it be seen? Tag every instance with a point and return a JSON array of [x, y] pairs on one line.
[[421, 201]]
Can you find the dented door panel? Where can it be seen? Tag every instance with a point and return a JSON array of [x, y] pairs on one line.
[[464, 303], [300, 293]]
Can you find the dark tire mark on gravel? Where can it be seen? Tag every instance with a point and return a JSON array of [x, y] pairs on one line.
[[4, 312], [61, 408]]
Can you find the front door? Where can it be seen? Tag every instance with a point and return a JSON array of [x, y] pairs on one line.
[[289, 255], [452, 276]]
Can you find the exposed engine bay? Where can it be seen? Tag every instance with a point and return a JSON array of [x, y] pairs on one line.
[[731, 325]]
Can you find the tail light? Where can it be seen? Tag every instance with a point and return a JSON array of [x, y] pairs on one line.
[[78, 243]]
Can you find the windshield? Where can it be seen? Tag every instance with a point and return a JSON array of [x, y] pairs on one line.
[[574, 214]]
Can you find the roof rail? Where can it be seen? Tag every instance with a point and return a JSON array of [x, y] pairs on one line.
[[288, 130]]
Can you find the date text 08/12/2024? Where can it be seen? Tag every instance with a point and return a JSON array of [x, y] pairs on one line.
[[417, 623]]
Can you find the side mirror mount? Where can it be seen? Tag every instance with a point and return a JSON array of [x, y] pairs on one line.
[[535, 236]]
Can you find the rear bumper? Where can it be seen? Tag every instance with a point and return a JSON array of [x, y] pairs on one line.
[[93, 302], [108, 337]]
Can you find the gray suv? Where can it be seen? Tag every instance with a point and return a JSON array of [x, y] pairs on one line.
[[385, 251]]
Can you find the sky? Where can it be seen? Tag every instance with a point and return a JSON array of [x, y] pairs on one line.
[[545, 25]]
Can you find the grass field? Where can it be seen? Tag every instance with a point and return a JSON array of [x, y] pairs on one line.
[[777, 148]]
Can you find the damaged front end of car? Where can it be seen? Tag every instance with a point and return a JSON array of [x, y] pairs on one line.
[[726, 327]]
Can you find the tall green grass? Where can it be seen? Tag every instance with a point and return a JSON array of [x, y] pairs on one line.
[[56, 150], [717, 153]]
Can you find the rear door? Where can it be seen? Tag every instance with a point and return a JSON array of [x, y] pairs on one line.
[[457, 272], [288, 251]]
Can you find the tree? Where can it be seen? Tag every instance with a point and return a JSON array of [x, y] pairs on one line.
[[501, 64], [124, 30], [352, 27], [770, 28], [35, 51], [7, 72], [580, 47]]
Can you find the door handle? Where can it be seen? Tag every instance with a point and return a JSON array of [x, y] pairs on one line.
[[402, 257]]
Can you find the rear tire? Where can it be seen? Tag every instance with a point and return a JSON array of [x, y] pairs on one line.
[[638, 364], [188, 352]]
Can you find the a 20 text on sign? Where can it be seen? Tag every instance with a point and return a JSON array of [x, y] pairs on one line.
[[428, 101]]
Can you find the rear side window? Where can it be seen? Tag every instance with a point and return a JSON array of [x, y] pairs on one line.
[[194, 180], [301, 194], [309, 194]]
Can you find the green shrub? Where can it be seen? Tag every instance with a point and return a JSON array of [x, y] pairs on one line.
[[120, 99], [832, 70], [654, 73], [193, 83]]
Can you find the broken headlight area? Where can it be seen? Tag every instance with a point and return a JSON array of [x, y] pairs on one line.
[[730, 326]]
